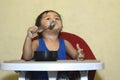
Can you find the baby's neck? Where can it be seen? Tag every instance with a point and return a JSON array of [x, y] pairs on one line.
[[51, 37]]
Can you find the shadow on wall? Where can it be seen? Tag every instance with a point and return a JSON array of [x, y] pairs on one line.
[[11, 77], [97, 76]]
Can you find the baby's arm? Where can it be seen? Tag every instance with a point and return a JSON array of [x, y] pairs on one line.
[[75, 54], [29, 46]]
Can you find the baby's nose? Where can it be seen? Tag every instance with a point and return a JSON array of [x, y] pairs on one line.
[[54, 20]]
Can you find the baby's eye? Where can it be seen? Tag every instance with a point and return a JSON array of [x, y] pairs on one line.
[[47, 18], [57, 18]]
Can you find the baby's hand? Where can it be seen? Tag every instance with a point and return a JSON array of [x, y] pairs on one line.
[[32, 31], [81, 55]]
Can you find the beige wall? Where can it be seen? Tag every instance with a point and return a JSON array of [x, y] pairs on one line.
[[96, 21]]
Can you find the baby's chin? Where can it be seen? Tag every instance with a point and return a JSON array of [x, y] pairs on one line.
[[53, 31], [56, 31]]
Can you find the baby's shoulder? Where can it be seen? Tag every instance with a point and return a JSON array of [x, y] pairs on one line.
[[66, 42], [35, 41]]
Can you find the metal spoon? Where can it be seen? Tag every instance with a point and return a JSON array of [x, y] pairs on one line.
[[51, 25]]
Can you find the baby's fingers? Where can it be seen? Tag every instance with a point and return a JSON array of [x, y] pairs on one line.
[[79, 49], [81, 54]]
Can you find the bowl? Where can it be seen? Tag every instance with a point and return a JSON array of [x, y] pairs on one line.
[[45, 55]]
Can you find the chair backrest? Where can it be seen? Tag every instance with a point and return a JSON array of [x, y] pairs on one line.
[[74, 39]]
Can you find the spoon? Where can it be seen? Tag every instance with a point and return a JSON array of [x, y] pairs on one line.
[[50, 26]]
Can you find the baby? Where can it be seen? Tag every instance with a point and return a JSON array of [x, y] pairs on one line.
[[49, 38]]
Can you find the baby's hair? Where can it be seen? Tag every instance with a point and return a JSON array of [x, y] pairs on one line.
[[37, 23]]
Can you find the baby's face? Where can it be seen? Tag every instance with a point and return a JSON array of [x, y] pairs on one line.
[[47, 18]]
